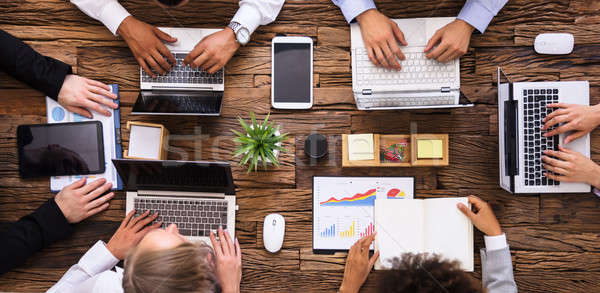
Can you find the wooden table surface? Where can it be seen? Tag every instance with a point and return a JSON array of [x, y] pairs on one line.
[[554, 238]]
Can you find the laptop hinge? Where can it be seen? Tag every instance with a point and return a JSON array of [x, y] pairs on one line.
[[445, 89], [367, 92]]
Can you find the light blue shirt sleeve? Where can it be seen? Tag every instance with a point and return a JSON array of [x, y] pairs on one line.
[[479, 13], [352, 8]]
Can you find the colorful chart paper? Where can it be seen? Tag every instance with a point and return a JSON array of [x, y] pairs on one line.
[[343, 207]]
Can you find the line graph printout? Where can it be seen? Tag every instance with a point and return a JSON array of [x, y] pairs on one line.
[[343, 207]]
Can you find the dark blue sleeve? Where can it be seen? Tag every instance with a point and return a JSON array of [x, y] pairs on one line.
[[25, 64], [31, 233]]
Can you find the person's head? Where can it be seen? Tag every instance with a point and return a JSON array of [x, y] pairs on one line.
[[165, 261], [171, 3], [426, 273]]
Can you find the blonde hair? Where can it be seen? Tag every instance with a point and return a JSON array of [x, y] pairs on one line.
[[185, 268]]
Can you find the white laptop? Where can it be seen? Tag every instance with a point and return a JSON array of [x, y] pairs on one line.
[[521, 109], [196, 196], [184, 90], [420, 83]]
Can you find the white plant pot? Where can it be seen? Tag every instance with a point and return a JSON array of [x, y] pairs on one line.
[[275, 152]]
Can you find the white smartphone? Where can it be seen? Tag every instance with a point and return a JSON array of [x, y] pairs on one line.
[[292, 72]]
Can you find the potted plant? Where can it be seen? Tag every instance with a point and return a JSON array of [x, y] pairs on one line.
[[261, 143]]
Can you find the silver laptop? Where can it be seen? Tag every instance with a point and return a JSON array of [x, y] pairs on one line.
[[420, 83], [184, 90], [521, 109], [196, 196]]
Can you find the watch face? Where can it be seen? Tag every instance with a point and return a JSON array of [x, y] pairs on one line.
[[243, 36]]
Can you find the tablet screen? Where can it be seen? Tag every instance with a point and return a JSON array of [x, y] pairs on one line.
[[60, 149]]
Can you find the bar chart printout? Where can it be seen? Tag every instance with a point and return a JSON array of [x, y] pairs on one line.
[[343, 207]]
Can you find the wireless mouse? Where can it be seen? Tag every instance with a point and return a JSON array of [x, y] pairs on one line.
[[554, 43], [273, 232]]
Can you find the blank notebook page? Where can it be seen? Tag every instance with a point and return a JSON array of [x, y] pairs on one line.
[[399, 226], [448, 231]]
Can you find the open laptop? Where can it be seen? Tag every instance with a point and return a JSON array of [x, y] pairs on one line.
[[184, 90], [420, 83], [196, 196], [521, 109]]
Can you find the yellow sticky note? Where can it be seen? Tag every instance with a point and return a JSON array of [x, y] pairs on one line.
[[429, 149]]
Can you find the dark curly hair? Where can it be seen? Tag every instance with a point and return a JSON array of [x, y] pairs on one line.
[[426, 273], [170, 2]]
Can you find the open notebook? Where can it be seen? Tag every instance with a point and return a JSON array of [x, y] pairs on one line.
[[423, 225]]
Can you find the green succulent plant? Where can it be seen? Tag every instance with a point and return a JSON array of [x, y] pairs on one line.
[[259, 143]]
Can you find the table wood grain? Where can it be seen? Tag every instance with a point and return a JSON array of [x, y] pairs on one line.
[[554, 239]]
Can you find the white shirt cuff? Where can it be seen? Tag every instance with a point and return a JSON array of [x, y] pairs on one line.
[[112, 15], [98, 259], [495, 242], [477, 15], [353, 8], [248, 16]]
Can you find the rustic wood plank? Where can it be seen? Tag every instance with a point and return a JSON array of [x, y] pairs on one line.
[[525, 59], [528, 261], [584, 34], [557, 281], [538, 237], [571, 209]]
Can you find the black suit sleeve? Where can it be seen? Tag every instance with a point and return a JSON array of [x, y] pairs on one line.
[[32, 233], [25, 64]]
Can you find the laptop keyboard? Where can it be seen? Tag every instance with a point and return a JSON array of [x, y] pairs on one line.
[[182, 73], [535, 110], [416, 69], [193, 217], [404, 101]]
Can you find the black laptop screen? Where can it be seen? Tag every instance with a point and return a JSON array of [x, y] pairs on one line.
[[176, 175], [201, 103]]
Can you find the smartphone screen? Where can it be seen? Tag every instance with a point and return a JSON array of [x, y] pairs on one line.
[[60, 149], [292, 72]]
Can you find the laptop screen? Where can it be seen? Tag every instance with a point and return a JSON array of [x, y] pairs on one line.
[[196, 103], [212, 177]]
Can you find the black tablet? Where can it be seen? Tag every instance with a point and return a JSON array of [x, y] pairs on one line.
[[60, 149]]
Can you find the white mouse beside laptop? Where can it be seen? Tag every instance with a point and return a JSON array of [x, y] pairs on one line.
[[273, 232]]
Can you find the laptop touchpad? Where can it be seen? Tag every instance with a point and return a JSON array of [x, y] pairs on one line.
[[414, 31]]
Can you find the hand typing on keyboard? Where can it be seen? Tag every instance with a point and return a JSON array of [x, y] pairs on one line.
[[214, 51], [570, 166], [452, 41], [145, 42], [381, 36], [578, 119]]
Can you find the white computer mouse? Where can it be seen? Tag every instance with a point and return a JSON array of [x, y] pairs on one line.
[[554, 43], [273, 232]]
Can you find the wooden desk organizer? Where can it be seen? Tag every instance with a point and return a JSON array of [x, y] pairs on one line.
[[160, 144], [412, 152]]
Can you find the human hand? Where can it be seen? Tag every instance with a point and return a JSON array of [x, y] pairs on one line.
[[79, 94], [130, 232], [483, 217], [571, 166], [214, 51], [229, 261], [452, 41], [358, 265], [577, 118], [145, 42], [78, 200], [381, 36]]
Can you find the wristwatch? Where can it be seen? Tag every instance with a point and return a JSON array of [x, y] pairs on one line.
[[241, 33]]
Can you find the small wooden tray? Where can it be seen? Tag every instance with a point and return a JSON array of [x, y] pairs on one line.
[[412, 152]]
